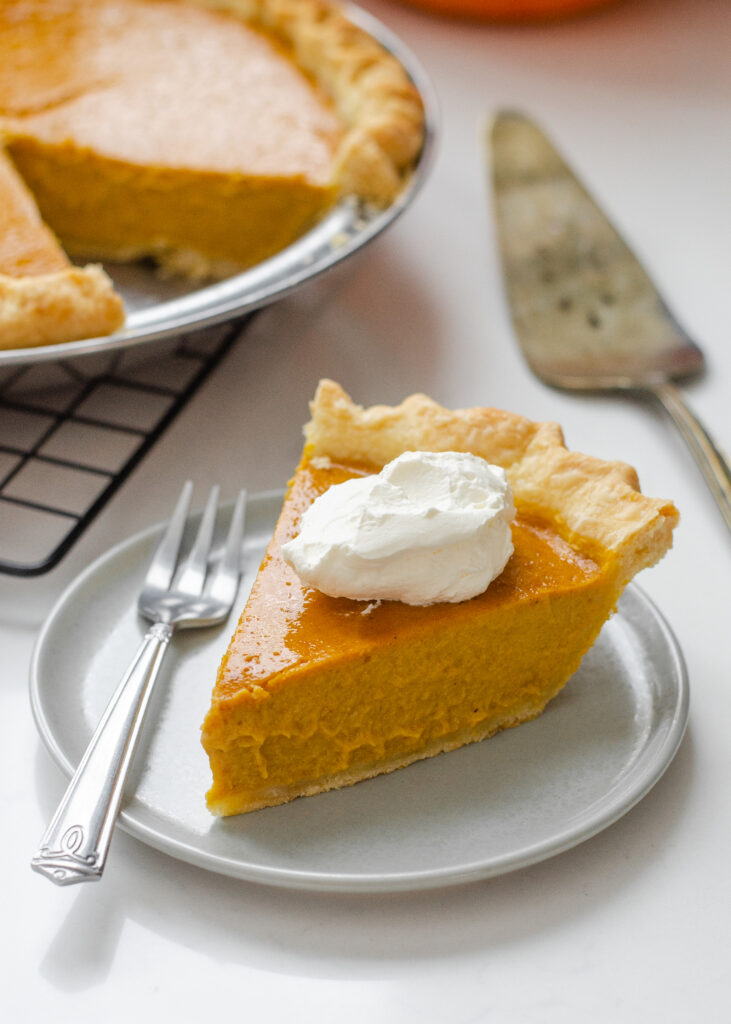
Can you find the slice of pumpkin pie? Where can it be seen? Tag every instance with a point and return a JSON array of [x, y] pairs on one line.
[[318, 691]]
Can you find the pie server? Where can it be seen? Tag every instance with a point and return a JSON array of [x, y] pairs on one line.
[[586, 314]]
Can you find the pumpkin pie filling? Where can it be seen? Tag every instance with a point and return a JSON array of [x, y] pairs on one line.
[[317, 692], [297, 624], [38, 285], [367, 712], [27, 246]]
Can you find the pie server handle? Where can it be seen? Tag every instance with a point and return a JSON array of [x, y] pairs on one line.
[[711, 462]]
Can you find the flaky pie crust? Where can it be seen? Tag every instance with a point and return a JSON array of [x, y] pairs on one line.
[[46, 309], [595, 505]]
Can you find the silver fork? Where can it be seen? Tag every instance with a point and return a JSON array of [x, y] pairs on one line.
[[74, 847]]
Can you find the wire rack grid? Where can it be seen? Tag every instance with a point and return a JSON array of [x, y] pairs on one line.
[[72, 432]]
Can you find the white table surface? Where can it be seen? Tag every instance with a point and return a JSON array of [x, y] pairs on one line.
[[632, 925]]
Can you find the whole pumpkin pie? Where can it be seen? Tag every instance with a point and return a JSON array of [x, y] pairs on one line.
[[318, 692], [206, 134]]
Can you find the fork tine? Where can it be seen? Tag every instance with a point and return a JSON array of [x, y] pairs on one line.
[[226, 580], [165, 559], [194, 571]]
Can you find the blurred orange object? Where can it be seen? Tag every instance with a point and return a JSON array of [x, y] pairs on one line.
[[508, 10]]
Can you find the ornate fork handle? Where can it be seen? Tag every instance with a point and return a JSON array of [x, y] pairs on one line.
[[74, 846]]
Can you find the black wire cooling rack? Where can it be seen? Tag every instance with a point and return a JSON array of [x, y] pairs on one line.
[[72, 432]]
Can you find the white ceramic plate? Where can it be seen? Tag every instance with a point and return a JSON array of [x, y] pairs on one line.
[[489, 808], [159, 308]]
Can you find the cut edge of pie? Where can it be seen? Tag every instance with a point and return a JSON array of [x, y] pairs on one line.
[[46, 300], [329, 720]]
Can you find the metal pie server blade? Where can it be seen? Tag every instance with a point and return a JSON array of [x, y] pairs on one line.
[[586, 314]]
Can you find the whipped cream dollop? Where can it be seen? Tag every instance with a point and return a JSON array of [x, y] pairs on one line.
[[431, 526]]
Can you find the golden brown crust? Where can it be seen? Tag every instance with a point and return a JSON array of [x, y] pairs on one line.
[[595, 505], [380, 107], [62, 306]]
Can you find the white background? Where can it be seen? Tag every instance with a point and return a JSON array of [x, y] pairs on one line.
[[634, 924]]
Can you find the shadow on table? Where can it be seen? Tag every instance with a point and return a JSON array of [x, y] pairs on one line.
[[340, 936]]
